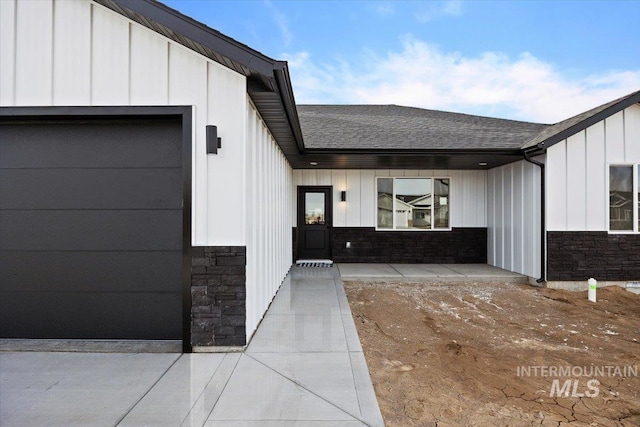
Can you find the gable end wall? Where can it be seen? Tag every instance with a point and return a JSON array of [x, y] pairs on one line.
[[579, 243]]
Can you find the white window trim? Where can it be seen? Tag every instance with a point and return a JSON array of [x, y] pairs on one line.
[[635, 167], [393, 220]]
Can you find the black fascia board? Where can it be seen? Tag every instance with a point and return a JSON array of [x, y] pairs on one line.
[[542, 146], [200, 33], [283, 80]]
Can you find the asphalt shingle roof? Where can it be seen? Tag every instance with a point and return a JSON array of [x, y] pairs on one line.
[[393, 127]]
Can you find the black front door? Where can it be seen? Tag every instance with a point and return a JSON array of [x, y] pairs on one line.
[[314, 222]]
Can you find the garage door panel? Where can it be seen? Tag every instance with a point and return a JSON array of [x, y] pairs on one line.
[[90, 271], [91, 188], [90, 230], [94, 145], [90, 316]]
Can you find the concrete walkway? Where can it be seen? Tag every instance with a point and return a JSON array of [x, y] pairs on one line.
[[429, 272], [303, 367]]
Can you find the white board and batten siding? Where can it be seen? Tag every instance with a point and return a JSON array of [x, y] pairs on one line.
[[268, 218], [79, 53], [513, 218], [468, 193], [577, 171]]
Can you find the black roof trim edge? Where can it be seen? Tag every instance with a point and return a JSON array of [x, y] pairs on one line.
[[236, 52], [281, 71], [580, 126], [200, 33]]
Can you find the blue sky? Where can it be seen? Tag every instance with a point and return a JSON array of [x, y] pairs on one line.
[[538, 61]]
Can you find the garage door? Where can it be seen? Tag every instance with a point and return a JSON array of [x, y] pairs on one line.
[[91, 229]]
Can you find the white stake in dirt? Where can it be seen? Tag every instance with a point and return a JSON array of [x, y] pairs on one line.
[[593, 284]]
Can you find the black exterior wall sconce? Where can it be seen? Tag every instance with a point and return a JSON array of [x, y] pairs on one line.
[[213, 141], [343, 196]]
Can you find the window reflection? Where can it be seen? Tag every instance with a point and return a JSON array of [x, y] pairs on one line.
[[314, 208], [413, 203], [385, 202], [621, 198], [441, 204]]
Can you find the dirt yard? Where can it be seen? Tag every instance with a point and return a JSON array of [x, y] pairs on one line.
[[492, 354]]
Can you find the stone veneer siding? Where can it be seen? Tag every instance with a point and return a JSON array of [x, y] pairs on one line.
[[579, 255], [458, 246], [218, 295]]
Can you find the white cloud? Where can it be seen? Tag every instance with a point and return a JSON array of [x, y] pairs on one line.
[[453, 8], [384, 8], [281, 22], [491, 84], [433, 10]]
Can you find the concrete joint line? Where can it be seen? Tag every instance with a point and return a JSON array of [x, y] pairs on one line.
[[147, 392], [359, 418]]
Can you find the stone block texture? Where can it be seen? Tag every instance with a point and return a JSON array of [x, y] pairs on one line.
[[579, 255], [218, 295], [458, 246]]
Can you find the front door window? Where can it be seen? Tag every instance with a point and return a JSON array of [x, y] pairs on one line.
[[314, 208]]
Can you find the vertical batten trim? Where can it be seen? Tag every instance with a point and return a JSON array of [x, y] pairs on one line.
[[169, 74], [513, 219], [624, 136], [606, 176], [53, 52], [584, 179], [565, 147], [502, 218], [130, 70], [15, 52], [91, 50]]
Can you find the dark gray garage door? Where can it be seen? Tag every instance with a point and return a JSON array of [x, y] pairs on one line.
[[91, 229]]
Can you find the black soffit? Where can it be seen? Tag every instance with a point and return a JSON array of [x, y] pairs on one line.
[[400, 160], [269, 87]]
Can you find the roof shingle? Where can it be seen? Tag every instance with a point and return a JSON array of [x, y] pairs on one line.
[[393, 127]]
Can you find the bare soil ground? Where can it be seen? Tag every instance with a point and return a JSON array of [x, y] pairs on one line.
[[449, 354]]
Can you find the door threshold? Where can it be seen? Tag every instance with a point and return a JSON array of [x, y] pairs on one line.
[[314, 263]]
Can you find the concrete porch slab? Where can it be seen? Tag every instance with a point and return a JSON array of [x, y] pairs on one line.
[[368, 270], [428, 273], [425, 270]]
